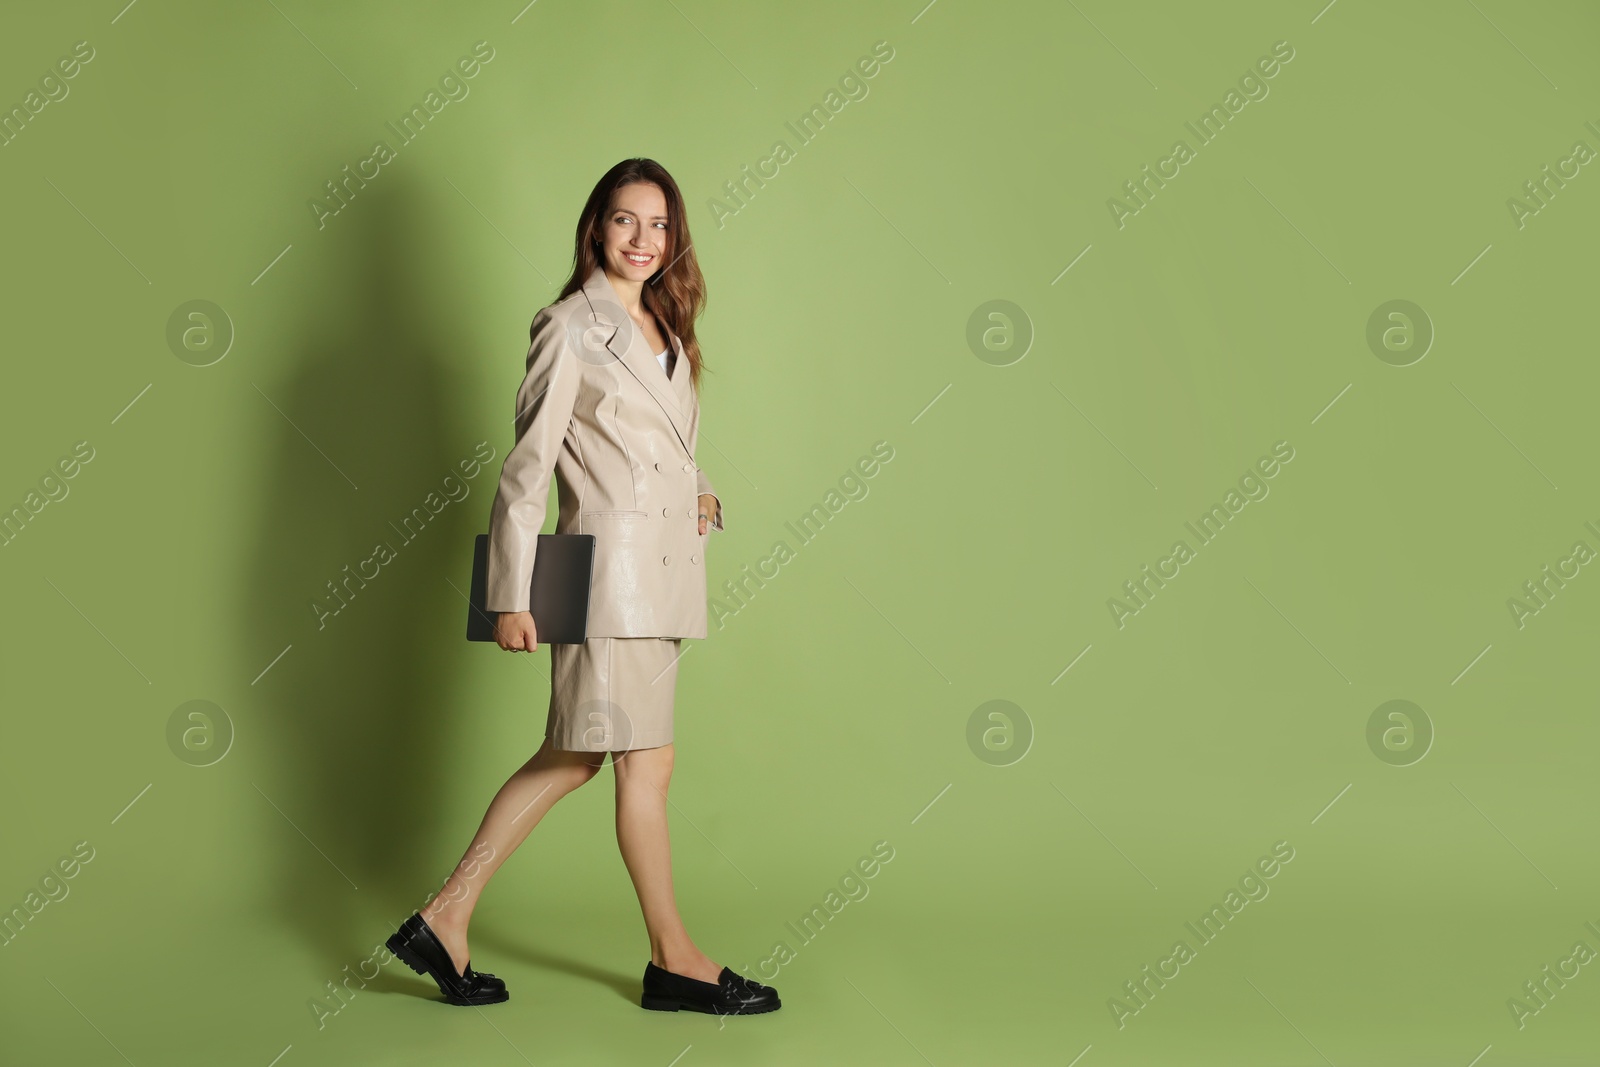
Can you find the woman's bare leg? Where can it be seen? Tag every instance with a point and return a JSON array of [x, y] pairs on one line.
[[642, 778], [516, 809]]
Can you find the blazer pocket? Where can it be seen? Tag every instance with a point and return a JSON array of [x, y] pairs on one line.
[[612, 515]]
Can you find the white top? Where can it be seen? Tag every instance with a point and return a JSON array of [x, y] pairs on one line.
[[662, 357]]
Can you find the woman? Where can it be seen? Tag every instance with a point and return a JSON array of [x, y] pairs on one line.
[[609, 404]]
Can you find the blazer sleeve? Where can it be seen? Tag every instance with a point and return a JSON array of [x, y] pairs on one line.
[[702, 483], [545, 401]]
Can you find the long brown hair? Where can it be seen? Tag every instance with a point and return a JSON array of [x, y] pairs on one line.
[[676, 293]]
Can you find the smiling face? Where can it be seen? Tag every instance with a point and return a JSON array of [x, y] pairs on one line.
[[634, 232]]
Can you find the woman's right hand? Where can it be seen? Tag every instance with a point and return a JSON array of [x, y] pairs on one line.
[[514, 632]]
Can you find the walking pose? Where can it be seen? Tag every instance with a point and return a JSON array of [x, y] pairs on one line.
[[610, 406]]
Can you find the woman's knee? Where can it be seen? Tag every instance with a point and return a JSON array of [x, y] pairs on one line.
[[581, 767]]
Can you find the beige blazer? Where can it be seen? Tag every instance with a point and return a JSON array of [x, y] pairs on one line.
[[597, 409]]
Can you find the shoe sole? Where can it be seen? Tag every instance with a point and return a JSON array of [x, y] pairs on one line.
[[656, 1003], [403, 952]]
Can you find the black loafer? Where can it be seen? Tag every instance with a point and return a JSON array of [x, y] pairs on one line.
[[419, 948], [732, 994]]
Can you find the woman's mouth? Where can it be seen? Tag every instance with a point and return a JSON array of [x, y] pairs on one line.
[[639, 260]]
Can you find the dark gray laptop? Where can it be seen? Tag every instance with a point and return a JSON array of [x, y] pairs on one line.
[[563, 567]]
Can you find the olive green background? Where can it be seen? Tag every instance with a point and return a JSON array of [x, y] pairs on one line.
[[833, 709]]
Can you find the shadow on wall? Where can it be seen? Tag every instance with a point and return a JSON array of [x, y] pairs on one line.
[[357, 711]]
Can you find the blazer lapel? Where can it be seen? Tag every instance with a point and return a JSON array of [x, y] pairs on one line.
[[680, 376], [628, 345]]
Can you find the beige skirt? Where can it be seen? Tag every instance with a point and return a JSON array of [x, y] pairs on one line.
[[611, 694]]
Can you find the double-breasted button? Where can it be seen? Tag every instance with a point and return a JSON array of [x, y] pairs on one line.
[[666, 513], [666, 560], [691, 513], [694, 558], [658, 468], [688, 466]]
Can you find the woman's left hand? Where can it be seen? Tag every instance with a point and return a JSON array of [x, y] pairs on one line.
[[709, 507]]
